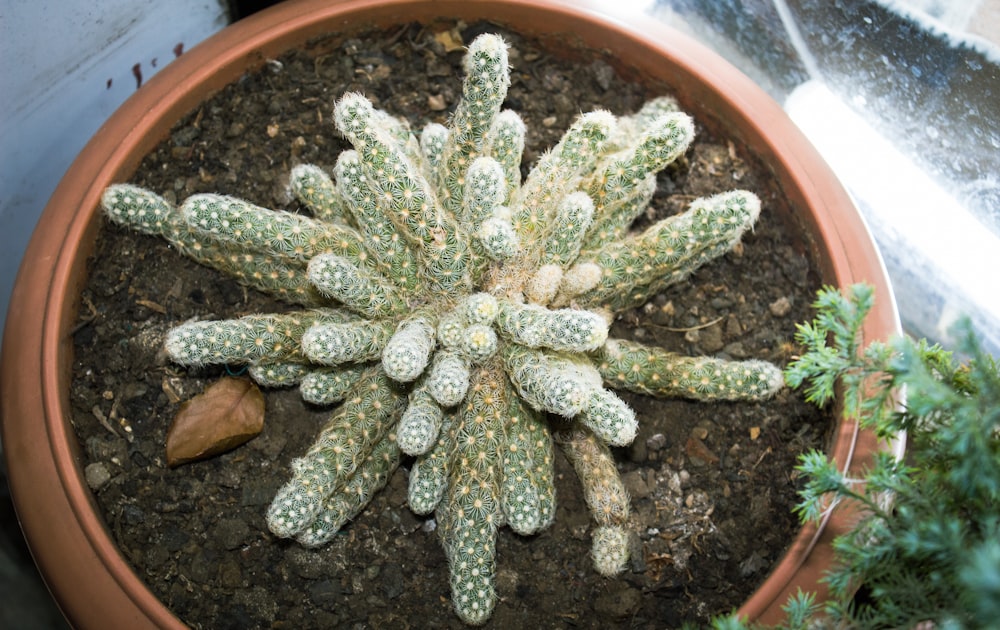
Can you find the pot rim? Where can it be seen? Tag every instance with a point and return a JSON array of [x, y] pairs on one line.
[[46, 479]]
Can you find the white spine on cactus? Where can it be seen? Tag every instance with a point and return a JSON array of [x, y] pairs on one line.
[[543, 284], [609, 549], [631, 127], [277, 374], [451, 331], [418, 427], [480, 308], [499, 239], [370, 477], [578, 279], [239, 222], [356, 288], [558, 169], [483, 91], [429, 475], [485, 188], [138, 208], [329, 386], [433, 137], [406, 354], [334, 344], [448, 379], [610, 418], [564, 329], [479, 343], [572, 218], [505, 143], [554, 383], [315, 188]]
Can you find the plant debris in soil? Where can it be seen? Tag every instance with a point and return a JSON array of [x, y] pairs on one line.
[[712, 485]]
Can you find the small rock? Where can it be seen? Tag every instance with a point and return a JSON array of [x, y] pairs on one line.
[[326, 594], [435, 102], [97, 475], [618, 602], [699, 453], [711, 339], [230, 574], [391, 580], [604, 74], [635, 485], [733, 326], [736, 350], [201, 567], [305, 563], [780, 307], [232, 533], [656, 442], [651, 481], [751, 565], [113, 450], [637, 451]]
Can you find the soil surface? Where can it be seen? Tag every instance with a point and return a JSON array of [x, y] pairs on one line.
[[712, 485]]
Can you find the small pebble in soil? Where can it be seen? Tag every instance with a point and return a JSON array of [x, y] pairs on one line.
[[619, 601], [780, 307], [97, 475], [635, 485]]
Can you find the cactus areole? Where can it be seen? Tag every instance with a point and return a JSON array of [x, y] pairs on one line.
[[458, 315]]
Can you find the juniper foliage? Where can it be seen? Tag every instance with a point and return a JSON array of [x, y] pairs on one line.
[[927, 548]]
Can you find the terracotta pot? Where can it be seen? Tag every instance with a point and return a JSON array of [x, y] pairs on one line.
[[91, 581]]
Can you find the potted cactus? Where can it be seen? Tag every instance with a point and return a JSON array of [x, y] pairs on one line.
[[459, 312]]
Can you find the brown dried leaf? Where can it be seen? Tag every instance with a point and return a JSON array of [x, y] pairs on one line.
[[227, 414]]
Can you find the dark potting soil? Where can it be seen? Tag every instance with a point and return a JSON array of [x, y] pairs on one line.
[[712, 485]]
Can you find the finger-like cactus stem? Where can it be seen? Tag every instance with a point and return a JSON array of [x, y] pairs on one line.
[[343, 445], [315, 188], [637, 267], [487, 77], [605, 495], [420, 423], [555, 383], [654, 371], [353, 342], [358, 289], [409, 349], [565, 329]]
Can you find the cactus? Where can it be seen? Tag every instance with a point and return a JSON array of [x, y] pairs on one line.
[[460, 314]]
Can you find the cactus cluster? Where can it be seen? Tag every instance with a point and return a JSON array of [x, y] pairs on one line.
[[460, 315]]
